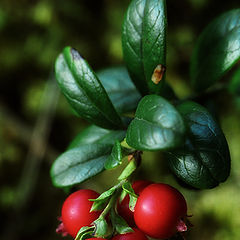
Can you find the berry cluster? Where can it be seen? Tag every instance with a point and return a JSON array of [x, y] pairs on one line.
[[159, 212]]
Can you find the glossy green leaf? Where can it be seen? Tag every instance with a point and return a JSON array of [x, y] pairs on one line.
[[78, 164], [204, 161], [157, 125], [94, 134], [83, 158], [120, 88], [115, 157], [217, 50], [144, 43], [84, 91]]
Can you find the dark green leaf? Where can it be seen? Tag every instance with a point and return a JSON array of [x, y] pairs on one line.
[[94, 134], [120, 88], [115, 157], [78, 164], [157, 125], [144, 43], [119, 223], [84, 91], [217, 50], [204, 161]]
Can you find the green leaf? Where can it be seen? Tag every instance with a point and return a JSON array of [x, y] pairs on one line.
[[157, 125], [84, 91], [119, 223], [94, 134], [99, 205], [127, 187], [217, 50], [129, 169], [78, 164], [122, 196], [83, 158], [120, 88], [101, 227], [105, 195], [84, 232], [204, 161], [144, 43], [115, 157]]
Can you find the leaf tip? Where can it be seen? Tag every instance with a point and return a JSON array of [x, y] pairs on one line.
[[75, 54], [158, 73]]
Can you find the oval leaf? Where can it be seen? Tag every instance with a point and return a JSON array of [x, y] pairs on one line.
[[120, 88], [94, 134], [217, 50], [204, 161], [144, 44], [84, 91], [157, 125], [78, 164]]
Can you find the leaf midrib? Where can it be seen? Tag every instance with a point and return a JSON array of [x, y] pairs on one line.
[[74, 77]]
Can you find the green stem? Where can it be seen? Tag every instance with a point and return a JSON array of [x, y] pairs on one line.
[[112, 200]]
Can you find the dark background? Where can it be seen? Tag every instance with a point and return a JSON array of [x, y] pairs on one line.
[[36, 123]]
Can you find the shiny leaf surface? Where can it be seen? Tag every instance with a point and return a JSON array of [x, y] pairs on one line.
[[84, 91], [144, 44], [157, 125], [217, 50], [204, 161]]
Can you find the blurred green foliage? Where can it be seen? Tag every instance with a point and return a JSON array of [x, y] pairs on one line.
[[32, 34]]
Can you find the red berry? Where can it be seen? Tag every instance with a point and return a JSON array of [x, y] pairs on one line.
[[159, 211], [76, 211], [123, 207], [96, 239], [136, 235]]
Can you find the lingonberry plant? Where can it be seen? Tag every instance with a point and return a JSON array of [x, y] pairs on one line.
[[184, 131]]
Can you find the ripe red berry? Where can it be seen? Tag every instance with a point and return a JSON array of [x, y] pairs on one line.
[[159, 211], [96, 239], [123, 207], [76, 211], [136, 235]]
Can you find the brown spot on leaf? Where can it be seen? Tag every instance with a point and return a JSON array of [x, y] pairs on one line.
[[158, 73]]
